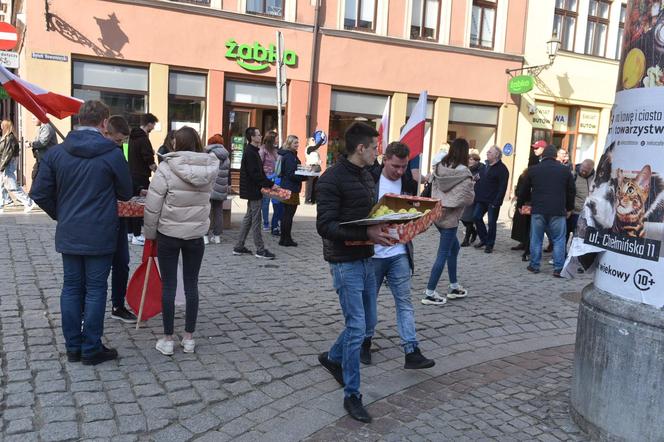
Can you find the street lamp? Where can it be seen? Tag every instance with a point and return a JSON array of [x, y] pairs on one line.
[[552, 47]]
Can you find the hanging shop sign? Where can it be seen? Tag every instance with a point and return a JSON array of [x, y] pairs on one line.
[[543, 116], [521, 84], [589, 121], [257, 57], [560, 119]]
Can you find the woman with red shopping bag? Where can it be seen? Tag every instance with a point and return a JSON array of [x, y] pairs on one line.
[[177, 211]]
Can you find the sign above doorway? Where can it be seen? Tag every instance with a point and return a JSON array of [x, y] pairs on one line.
[[256, 57], [521, 84]]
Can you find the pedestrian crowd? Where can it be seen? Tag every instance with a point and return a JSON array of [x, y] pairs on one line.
[[79, 181]]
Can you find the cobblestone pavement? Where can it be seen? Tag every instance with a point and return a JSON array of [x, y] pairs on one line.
[[255, 376]]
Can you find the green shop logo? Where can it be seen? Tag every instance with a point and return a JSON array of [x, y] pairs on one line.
[[256, 57], [521, 84]]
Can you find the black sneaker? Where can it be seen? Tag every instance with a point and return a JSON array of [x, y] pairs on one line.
[[415, 360], [276, 232], [365, 352], [532, 269], [73, 356], [241, 251], [103, 355], [354, 407], [123, 315], [334, 368], [265, 254], [480, 245], [488, 249]]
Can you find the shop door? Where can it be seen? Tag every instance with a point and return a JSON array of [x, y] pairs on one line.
[[237, 120]]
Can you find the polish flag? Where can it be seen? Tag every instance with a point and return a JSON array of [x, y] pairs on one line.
[[384, 128], [37, 100], [412, 134]]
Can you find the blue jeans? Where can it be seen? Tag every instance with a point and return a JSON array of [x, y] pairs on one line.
[[277, 210], [85, 282], [488, 237], [120, 270], [557, 228], [448, 251], [8, 184], [397, 271], [355, 283]]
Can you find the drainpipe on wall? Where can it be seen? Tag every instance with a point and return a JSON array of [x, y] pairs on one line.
[[314, 65]]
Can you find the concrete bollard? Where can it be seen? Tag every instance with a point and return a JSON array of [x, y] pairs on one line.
[[618, 380]]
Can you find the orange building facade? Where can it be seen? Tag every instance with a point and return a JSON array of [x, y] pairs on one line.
[[209, 64]]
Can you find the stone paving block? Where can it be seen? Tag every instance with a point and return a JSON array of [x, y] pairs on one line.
[[174, 433], [59, 431], [201, 423]]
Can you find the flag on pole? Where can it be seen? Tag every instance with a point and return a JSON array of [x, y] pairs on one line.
[[413, 132], [37, 100], [384, 128]]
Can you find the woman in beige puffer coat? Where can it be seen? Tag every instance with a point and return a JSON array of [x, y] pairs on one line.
[[453, 185], [177, 210]]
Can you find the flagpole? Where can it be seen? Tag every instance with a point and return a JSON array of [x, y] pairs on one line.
[[57, 131]]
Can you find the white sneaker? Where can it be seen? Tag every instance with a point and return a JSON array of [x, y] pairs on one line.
[[206, 240], [433, 298], [216, 239], [138, 240], [188, 345], [458, 292], [28, 209], [164, 347], [551, 262]]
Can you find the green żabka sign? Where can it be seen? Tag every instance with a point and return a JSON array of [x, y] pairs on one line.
[[521, 84], [256, 57]]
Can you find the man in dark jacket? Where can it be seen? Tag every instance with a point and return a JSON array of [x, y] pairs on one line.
[[395, 263], [78, 184], [46, 138], [549, 186], [141, 165], [252, 180], [489, 195], [346, 192]]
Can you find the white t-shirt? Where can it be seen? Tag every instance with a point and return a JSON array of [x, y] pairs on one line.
[[388, 186]]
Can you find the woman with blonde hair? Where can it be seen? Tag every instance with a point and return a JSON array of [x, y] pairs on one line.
[[177, 215], [292, 182], [9, 151]]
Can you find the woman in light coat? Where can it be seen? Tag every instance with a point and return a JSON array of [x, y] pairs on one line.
[[453, 185], [177, 210], [220, 189]]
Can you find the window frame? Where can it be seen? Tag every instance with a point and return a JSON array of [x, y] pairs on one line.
[[358, 10], [265, 14], [484, 4], [598, 21], [568, 13], [621, 27], [194, 2], [423, 21]]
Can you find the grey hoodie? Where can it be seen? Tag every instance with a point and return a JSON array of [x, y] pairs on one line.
[[178, 201], [220, 189], [454, 187]]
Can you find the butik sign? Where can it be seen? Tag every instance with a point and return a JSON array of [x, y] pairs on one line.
[[256, 57]]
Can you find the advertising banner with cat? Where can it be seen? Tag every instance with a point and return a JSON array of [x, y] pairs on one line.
[[621, 228]]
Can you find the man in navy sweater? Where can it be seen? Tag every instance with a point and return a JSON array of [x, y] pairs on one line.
[[489, 195]]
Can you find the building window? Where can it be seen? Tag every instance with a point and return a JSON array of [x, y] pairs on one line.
[[621, 31], [564, 23], [598, 24], [124, 89], [273, 8], [425, 18], [196, 2], [483, 24], [186, 101], [360, 15]]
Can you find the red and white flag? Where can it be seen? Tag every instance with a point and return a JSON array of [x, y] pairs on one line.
[[412, 133], [384, 128], [37, 100]]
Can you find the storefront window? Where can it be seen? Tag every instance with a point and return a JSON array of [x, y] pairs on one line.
[[476, 123], [186, 101], [346, 109], [124, 89], [424, 21]]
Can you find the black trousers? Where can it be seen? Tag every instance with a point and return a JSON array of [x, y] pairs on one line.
[[168, 252], [287, 222], [138, 183]]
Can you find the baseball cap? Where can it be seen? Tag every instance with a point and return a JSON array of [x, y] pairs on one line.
[[539, 144]]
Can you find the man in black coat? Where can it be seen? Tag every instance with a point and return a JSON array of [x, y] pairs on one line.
[[346, 192], [489, 195], [549, 186], [252, 180]]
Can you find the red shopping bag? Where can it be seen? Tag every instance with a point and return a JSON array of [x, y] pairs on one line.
[[144, 289]]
